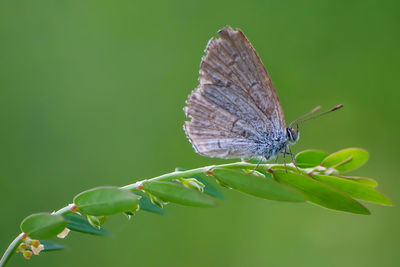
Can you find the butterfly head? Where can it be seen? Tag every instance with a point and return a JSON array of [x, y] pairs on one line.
[[292, 134]]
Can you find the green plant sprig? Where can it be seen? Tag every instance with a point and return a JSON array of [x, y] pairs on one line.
[[317, 177]]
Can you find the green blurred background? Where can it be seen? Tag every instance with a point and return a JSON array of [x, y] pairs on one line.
[[91, 93]]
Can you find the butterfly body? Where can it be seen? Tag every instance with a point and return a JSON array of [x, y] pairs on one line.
[[235, 111]]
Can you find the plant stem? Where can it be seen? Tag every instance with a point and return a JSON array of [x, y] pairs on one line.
[[165, 177], [188, 173], [11, 249], [15, 243]]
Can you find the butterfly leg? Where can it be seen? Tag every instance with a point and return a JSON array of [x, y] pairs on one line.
[[293, 159], [284, 159], [258, 164]]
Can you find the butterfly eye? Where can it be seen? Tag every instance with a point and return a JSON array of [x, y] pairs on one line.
[[291, 134], [288, 133]]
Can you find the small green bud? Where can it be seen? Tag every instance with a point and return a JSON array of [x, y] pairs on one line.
[[156, 201], [129, 214], [96, 221], [192, 183]]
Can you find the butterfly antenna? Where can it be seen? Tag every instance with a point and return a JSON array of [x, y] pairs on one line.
[[297, 122], [305, 115]]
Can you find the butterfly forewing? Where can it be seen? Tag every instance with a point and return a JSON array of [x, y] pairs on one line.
[[235, 111]]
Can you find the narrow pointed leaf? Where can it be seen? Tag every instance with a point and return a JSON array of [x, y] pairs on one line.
[[43, 225], [354, 189], [362, 180], [310, 158], [80, 224], [319, 193], [257, 185], [177, 193], [146, 204], [103, 201], [346, 159]]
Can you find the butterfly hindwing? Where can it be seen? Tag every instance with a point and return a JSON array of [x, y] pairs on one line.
[[235, 111]]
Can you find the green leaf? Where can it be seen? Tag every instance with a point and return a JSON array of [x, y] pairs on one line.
[[146, 204], [43, 225], [362, 180], [80, 224], [310, 158], [177, 193], [103, 201], [257, 185], [51, 246], [319, 193], [354, 189], [346, 159]]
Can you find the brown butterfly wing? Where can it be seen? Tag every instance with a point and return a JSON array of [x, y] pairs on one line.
[[235, 110]]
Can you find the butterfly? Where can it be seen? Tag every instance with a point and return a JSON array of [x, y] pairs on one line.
[[235, 111]]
